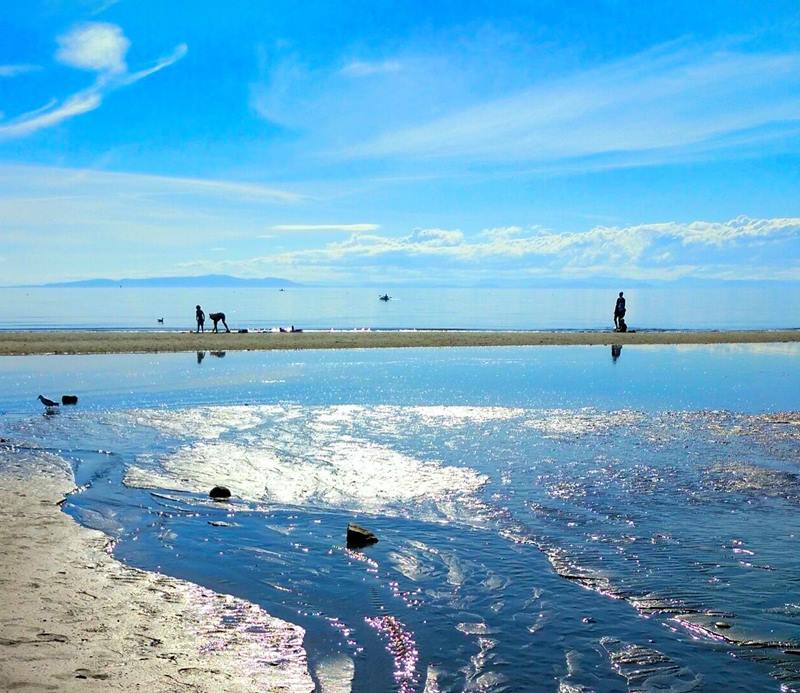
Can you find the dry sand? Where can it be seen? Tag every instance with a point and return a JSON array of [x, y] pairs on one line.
[[74, 619], [133, 342]]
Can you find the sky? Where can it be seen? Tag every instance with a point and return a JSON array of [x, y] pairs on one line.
[[405, 143]]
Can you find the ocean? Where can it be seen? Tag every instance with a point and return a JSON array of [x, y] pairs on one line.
[[550, 518], [766, 307]]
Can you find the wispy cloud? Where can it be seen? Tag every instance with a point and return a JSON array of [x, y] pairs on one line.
[[97, 47], [360, 68], [472, 111], [351, 228], [103, 5], [662, 99], [53, 181], [15, 70], [60, 222]]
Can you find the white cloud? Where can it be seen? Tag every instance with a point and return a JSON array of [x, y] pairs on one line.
[[741, 228], [180, 50], [50, 115], [359, 68], [98, 47], [502, 232], [14, 70], [723, 250], [352, 228], [436, 238]]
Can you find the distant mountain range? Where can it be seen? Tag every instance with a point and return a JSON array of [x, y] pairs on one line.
[[227, 281], [206, 280]]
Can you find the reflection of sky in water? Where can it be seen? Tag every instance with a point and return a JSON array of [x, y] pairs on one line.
[[745, 378], [498, 497]]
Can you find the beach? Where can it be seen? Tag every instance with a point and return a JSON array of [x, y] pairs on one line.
[[113, 342], [74, 618], [510, 488]]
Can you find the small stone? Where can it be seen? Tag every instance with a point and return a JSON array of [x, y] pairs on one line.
[[358, 536], [722, 625], [220, 493], [69, 399]]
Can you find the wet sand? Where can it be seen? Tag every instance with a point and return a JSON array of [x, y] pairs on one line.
[[143, 342], [74, 619]]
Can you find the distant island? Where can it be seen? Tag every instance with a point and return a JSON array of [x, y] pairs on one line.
[[206, 280]]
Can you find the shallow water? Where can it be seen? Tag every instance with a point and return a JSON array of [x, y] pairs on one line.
[[723, 308], [549, 518]]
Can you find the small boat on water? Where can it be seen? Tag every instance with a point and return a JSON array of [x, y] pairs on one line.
[[385, 297]]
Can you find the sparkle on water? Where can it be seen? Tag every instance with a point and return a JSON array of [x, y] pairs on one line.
[[623, 536]]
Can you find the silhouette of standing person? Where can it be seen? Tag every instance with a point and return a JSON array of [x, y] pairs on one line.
[[201, 319], [619, 311], [219, 317]]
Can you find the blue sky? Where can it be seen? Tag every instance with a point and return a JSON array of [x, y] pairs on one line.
[[407, 142]]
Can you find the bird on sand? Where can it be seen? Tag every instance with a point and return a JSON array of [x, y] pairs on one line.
[[47, 402]]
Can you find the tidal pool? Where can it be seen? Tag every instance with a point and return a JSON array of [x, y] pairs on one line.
[[550, 518]]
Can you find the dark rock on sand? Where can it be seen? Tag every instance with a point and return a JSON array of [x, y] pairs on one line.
[[69, 399], [358, 537], [220, 493]]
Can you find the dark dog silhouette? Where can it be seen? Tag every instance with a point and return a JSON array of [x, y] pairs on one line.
[[218, 317]]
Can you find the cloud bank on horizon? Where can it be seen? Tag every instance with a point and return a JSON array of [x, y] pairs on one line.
[[422, 144]]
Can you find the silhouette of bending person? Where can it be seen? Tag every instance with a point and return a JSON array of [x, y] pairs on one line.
[[219, 317], [201, 319], [619, 311]]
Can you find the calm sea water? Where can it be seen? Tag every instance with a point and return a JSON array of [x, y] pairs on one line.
[[550, 519], [489, 309]]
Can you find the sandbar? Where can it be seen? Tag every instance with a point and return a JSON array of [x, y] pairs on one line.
[[111, 342], [73, 618]]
